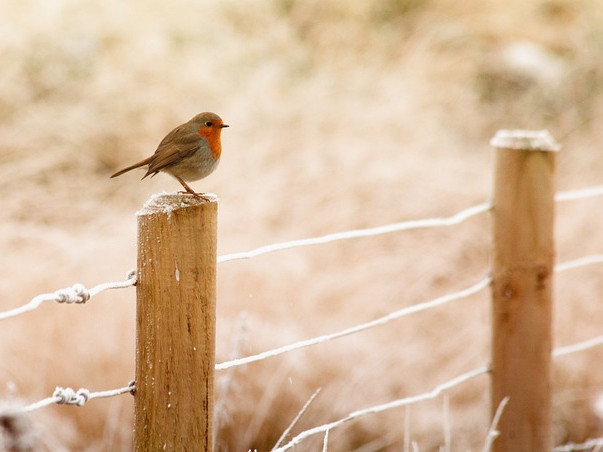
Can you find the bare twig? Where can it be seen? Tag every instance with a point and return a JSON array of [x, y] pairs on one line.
[[297, 418], [493, 433]]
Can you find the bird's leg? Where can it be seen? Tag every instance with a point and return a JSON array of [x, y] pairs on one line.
[[186, 187], [191, 191]]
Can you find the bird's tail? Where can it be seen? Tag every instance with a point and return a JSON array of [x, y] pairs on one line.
[[131, 167]]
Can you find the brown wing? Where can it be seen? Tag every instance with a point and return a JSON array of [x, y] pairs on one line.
[[179, 143]]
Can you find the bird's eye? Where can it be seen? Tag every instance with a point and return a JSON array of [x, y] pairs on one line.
[[209, 124]]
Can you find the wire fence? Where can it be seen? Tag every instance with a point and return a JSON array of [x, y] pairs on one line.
[[78, 293], [68, 396], [75, 294]]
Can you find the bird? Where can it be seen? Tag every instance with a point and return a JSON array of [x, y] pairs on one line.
[[189, 152]]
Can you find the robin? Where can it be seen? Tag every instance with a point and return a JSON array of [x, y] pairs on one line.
[[189, 152]]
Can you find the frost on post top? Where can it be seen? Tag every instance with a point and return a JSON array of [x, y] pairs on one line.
[[530, 140], [168, 202]]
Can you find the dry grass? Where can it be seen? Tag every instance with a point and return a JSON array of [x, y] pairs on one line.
[[343, 115]]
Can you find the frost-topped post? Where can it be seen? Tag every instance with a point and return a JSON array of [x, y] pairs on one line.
[[522, 279], [175, 323]]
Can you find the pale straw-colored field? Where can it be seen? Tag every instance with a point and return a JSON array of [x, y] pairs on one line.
[[343, 115]]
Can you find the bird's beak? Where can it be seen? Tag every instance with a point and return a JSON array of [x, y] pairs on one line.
[[224, 125]]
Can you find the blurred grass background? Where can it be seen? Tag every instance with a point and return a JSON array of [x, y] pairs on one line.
[[343, 114]]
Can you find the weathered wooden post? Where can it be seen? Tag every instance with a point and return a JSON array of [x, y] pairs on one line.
[[522, 278], [175, 321]]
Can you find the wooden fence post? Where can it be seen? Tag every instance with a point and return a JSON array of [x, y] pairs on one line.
[[522, 279], [175, 324]]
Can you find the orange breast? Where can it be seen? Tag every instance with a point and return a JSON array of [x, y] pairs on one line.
[[213, 139]]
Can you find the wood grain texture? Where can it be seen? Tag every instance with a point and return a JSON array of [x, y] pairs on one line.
[[175, 321], [523, 260]]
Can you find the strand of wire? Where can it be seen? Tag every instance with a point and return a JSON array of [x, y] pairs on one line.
[[579, 347], [590, 343], [595, 444], [457, 218], [68, 396], [582, 193], [475, 288], [357, 233], [77, 293], [435, 392], [580, 262]]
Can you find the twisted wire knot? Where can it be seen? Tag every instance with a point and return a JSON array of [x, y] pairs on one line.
[[75, 294], [67, 396]]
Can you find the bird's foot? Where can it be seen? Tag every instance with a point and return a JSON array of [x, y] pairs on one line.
[[201, 196]]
